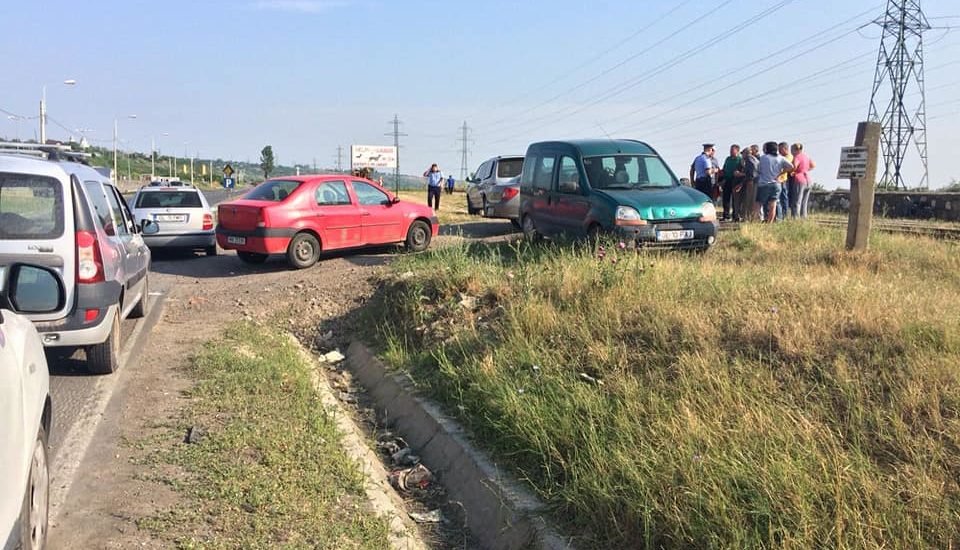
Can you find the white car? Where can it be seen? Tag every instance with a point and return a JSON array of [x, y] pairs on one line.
[[183, 215], [25, 406]]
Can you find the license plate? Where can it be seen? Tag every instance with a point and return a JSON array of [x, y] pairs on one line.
[[236, 240], [675, 235], [171, 217]]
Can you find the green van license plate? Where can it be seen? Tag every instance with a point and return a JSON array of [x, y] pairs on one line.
[[675, 235]]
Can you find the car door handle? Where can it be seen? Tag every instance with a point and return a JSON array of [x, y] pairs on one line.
[[364, 213]]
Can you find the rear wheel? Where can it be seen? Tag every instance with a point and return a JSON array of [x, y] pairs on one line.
[[303, 251], [34, 511], [251, 257], [211, 250], [104, 358], [470, 209], [418, 236], [140, 310], [530, 232]]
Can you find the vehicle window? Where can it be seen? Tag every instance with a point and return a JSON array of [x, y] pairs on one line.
[[526, 179], [543, 173], [332, 193], [31, 207], [369, 195], [568, 174], [125, 210], [509, 168], [168, 199], [627, 172], [123, 228], [275, 190], [100, 206]]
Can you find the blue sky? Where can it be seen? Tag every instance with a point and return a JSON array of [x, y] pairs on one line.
[[223, 78]]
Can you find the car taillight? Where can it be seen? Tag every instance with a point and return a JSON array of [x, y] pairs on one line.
[[261, 217], [509, 193], [89, 260], [207, 222]]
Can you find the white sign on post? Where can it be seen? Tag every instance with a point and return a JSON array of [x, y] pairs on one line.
[[373, 156], [853, 163]]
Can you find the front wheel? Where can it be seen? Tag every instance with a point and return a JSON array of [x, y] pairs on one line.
[[530, 232], [251, 257], [104, 358], [418, 236], [303, 251], [34, 512], [470, 209]]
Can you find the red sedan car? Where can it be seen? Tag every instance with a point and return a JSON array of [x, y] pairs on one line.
[[303, 215]]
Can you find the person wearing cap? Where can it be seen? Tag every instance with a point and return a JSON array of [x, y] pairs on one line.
[[705, 170], [434, 185]]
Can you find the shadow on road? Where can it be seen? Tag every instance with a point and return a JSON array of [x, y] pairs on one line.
[[478, 230], [226, 264]]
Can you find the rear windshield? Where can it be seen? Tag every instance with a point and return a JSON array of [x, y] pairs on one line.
[[275, 190], [169, 199], [627, 172], [509, 168], [31, 207]]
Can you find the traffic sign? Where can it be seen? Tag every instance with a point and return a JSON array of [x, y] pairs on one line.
[[228, 170], [229, 183], [853, 163]]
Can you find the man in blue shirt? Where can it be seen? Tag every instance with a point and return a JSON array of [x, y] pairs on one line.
[[704, 170], [451, 183], [434, 185]]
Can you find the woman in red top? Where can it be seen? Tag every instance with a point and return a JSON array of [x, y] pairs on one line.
[[800, 183]]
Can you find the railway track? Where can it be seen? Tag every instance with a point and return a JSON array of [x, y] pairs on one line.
[[902, 227]]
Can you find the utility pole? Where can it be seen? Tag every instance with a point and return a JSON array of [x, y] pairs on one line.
[[464, 151], [153, 158], [314, 165], [397, 134], [339, 158], [900, 66]]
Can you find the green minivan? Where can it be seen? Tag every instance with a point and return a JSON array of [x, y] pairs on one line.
[[611, 186]]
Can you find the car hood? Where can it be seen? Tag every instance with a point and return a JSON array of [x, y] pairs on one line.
[[666, 203]]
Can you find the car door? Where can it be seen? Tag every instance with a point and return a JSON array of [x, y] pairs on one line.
[[381, 222], [132, 248], [14, 450], [542, 194], [474, 190], [336, 216], [570, 206]]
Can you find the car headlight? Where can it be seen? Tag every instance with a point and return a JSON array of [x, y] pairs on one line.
[[708, 212], [627, 215]]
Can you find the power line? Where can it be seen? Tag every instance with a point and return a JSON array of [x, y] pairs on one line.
[[464, 151], [397, 134]]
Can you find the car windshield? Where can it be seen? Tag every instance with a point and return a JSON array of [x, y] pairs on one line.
[[169, 199], [509, 168], [628, 172], [31, 207], [275, 190]]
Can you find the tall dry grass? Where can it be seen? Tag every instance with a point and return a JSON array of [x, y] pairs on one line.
[[777, 392]]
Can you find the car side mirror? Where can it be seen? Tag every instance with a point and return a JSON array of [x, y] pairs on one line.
[[149, 227], [29, 288], [569, 187], [685, 181]]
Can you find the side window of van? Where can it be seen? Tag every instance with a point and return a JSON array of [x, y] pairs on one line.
[[100, 206], [526, 177], [569, 176], [122, 223], [118, 203], [543, 173]]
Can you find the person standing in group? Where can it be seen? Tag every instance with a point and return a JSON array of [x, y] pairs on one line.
[[748, 195], [732, 183], [704, 170], [800, 188], [451, 183], [783, 204], [770, 167], [434, 185]]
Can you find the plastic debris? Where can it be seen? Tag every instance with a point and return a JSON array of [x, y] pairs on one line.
[[587, 378], [432, 516], [333, 357], [418, 477]]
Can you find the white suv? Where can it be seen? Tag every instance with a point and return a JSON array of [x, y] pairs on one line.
[[183, 215], [25, 406], [60, 213]]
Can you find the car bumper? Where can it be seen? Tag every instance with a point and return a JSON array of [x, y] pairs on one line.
[[259, 241], [184, 240], [645, 236], [508, 210], [435, 225]]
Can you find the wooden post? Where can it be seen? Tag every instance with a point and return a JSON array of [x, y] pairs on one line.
[[862, 189]]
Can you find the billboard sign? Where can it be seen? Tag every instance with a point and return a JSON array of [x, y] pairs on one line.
[[372, 156]]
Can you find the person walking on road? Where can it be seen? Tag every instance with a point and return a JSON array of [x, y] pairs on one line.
[[771, 167], [451, 183], [732, 183], [705, 170], [783, 204], [434, 185], [800, 186]]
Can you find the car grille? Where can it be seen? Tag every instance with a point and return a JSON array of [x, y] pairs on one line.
[[672, 245], [675, 220]]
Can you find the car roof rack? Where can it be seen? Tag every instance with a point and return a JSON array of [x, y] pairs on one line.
[[49, 151]]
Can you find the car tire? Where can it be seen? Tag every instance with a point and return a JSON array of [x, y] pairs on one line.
[[303, 251], [211, 250], [470, 209], [516, 224], [418, 236], [104, 358], [35, 510], [594, 234], [251, 257], [140, 310], [530, 232], [484, 206]]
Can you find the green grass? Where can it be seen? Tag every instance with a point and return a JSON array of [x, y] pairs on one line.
[[777, 392], [269, 471]]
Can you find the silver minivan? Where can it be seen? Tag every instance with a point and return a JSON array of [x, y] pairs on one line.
[[494, 189], [62, 214]]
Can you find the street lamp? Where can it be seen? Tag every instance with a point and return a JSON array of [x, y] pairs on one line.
[[16, 120], [115, 137], [43, 110]]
